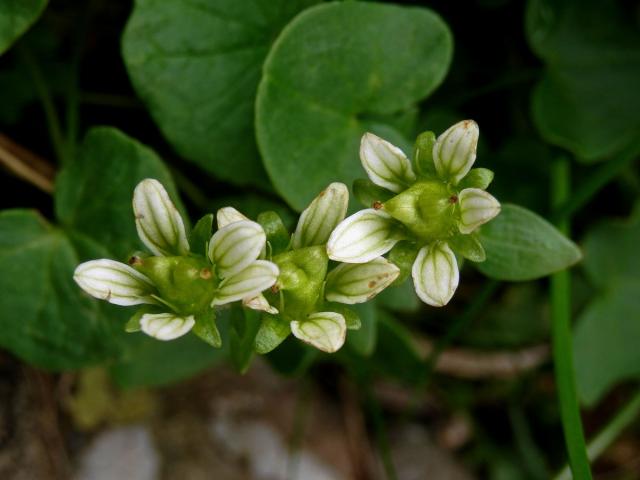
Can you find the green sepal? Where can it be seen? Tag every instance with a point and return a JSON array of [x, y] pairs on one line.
[[133, 325], [277, 234], [423, 154], [206, 328], [368, 193], [476, 178], [201, 234], [351, 318], [468, 246], [273, 331], [403, 255]]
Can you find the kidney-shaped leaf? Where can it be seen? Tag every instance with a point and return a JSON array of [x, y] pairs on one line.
[[16, 16], [94, 193], [521, 245], [45, 318], [587, 100], [196, 65], [333, 74]]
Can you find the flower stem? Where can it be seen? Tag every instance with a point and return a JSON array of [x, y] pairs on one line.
[[609, 433], [562, 340]]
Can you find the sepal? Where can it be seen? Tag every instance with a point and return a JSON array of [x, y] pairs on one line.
[[477, 178], [423, 154], [201, 234], [277, 235], [468, 246], [273, 331], [206, 328]]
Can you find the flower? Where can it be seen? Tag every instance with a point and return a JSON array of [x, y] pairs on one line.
[[433, 214], [181, 287], [307, 300]]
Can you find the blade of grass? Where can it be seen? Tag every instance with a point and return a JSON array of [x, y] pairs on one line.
[[609, 433], [560, 293]]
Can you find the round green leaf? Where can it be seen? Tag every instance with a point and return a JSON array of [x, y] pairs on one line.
[[93, 194], [521, 245], [196, 65], [16, 16], [587, 100], [334, 73]]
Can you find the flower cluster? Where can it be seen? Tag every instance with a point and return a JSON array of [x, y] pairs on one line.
[[423, 215], [433, 211]]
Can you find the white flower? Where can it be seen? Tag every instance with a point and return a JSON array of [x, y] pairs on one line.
[[385, 164], [455, 150], [476, 208], [114, 282], [227, 215], [159, 224], [363, 236], [352, 283], [435, 274], [324, 330], [247, 283], [322, 215], [166, 326], [260, 303], [235, 246]]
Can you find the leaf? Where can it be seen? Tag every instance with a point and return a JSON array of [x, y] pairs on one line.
[[521, 245], [363, 340], [334, 70], [16, 16], [151, 362], [94, 193], [587, 99], [606, 341], [196, 65], [45, 318]]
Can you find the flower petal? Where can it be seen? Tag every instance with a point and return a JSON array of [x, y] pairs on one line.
[[356, 283], [476, 207], [324, 330], [321, 216], [227, 215], [248, 283], [435, 274], [363, 236], [114, 282], [455, 150], [166, 326], [159, 224], [259, 302], [234, 247], [385, 164]]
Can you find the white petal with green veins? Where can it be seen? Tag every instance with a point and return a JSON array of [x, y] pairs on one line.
[[234, 247], [386, 165], [166, 326], [248, 283], [159, 224], [324, 330], [455, 150], [259, 302], [114, 282], [435, 274], [322, 215], [363, 236], [227, 215], [352, 283], [476, 207]]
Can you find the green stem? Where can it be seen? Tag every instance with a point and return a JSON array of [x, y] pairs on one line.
[[609, 433], [562, 340], [51, 115]]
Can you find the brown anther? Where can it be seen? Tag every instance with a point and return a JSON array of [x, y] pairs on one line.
[[135, 261], [205, 273], [372, 283], [275, 288], [453, 199], [377, 205]]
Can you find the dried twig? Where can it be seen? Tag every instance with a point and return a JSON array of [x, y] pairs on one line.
[[26, 164]]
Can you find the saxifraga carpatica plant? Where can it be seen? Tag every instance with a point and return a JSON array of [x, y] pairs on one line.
[[184, 280], [425, 214], [309, 299]]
